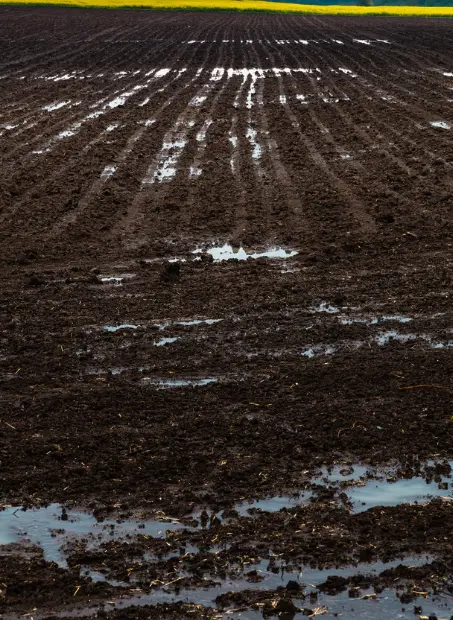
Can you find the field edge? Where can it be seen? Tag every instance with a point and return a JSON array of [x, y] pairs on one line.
[[244, 6]]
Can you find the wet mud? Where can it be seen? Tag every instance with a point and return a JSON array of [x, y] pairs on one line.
[[226, 325]]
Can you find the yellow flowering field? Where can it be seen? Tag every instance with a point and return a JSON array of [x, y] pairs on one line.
[[247, 5]]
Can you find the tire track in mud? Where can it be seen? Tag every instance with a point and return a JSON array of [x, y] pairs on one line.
[[118, 59], [376, 120], [59, 57], [118, 227], [169, 43], [357, 206], [385, 191], [346, 121], [410, 107], [380, 192], [109, 171], [163, 167], [292, 199], [193, 186], [261, 132], [110, 62], [68, 164]]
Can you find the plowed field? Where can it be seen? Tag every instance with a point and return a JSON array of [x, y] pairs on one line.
[[225, 245]]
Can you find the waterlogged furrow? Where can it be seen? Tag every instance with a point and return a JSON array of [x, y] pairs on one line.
[[196, 170], [175, 140], [118, 101], [201, 136], [108, 171]]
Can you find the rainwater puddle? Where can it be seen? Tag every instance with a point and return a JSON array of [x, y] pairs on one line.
[[369, 492], [273, 504], [46, 527], [164, 341], [406, 491], [347, 71], [319, 350], [116, 280], [56, 106], [376, 319], [325, 307], [175, 383], [115, 328], [366, 605], [188, 323], [227, 252], [252, 137], [197, 322], [107, 172], [440, 124], [277, 576], [343, 473], [382, 339]]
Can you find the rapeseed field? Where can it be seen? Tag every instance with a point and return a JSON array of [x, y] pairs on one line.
[[246, 5]]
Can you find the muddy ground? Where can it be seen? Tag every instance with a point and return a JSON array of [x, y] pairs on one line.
[[225, 277]]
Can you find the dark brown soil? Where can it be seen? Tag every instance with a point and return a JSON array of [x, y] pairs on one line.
[[131, 138]]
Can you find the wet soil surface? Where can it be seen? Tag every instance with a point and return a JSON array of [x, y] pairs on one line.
[[225, 315]]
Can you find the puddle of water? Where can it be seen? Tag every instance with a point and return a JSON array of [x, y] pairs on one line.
[[174, 383], [347, 71], [65, 134], [381, 340], [257, 150], [317, 576], [115, 328], [369, 493], [324, 306], [164, 341], [372, 607], [198, 100], [343, 473], [384, 493], [108, 172], [173, 145], [189, 323], [55, 106], [227, 252], [319, 349], [46, 526], [376, 320], [196, 322], [302, 99], [116, 280], [118, 370], [273, 504], [385, 337], [440, 124], [98, 577]]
